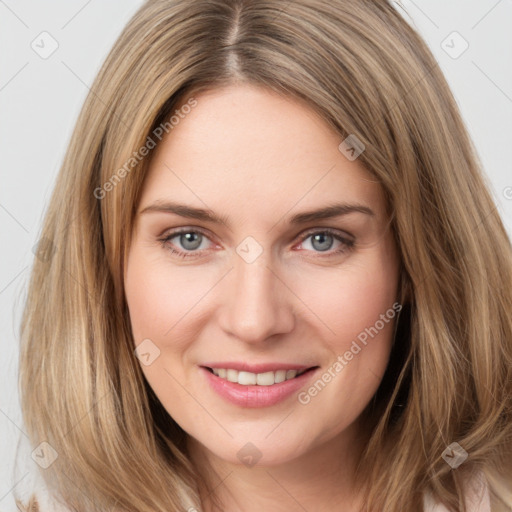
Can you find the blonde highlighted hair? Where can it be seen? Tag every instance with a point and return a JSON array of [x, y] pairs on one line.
[[366, 72]]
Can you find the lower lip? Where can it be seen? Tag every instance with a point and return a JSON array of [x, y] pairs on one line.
[[256, 396]]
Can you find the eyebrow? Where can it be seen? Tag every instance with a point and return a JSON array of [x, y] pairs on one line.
[[202, 214]]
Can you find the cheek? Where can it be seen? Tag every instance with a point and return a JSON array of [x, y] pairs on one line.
[[160, 298], [351, 299], [161, 302], [358, 304]]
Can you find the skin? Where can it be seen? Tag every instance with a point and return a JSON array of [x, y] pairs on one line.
[[258, 158]]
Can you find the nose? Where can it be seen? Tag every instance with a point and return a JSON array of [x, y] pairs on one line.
[[257, 303]]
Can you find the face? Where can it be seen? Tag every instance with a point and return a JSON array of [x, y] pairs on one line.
[[260, 252]]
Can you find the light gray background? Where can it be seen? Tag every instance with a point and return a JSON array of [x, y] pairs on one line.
[[40, 99]]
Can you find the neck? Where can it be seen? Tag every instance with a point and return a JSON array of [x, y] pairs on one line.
[[320, 479]]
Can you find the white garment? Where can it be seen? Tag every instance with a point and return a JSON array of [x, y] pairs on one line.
[[477, 498]]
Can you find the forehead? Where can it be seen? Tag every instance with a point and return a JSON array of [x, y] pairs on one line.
[[246, 146]]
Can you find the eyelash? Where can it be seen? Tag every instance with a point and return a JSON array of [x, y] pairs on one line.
[[346, 244]]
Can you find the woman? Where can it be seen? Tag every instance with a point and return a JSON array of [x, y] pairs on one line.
[[278, 275]]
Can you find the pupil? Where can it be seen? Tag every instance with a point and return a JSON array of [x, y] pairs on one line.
[[321, 238], [190, 240]]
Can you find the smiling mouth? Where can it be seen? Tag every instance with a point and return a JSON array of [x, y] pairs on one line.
[[257, 379]]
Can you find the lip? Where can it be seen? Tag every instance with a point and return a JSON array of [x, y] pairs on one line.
[[257, 396], [256, 368]]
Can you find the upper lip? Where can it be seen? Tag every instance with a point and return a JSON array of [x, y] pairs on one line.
[[256, 368]]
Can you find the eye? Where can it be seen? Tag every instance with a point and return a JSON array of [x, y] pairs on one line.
[[323, 240], [189, 242]]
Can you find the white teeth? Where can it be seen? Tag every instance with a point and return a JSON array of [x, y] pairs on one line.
[[265, 379], [232, 375], [280, 376], [261, 379], [246, 378], [290, 374]]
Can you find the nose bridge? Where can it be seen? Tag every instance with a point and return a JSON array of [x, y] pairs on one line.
[[257, 305]]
